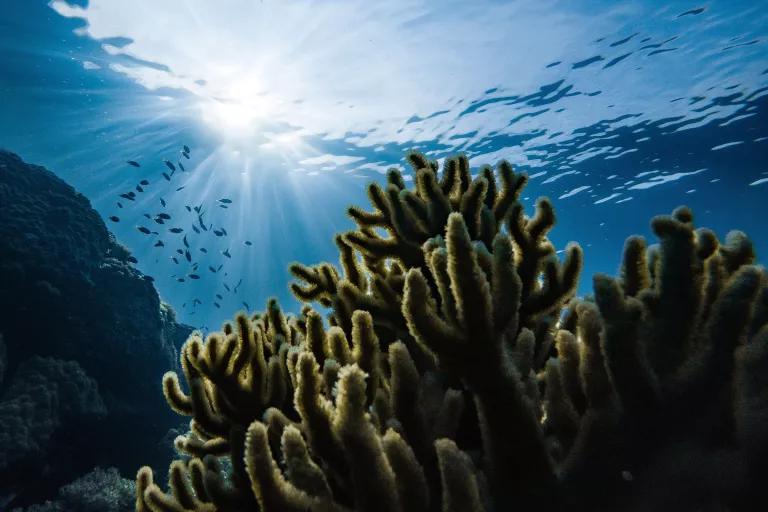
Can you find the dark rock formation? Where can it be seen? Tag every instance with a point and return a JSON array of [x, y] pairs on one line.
[[68, 292]]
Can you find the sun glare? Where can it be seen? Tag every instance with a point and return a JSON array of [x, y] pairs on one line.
[[237, 110]]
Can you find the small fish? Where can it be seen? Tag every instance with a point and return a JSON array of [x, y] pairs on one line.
[[147, 215], [181, 188], [186, 148], [180, 279], [164, 216], [175, 260], [218, 296], [194, 276], [167, 178], [133, 163], [181, 166], [219, 267], [144, 182], [194, 266], [227, 287], [186, 155], [175, 230], [114, 218], [204, 250], [238, 285], [138, 187], [211, 269], [188, 256], [196, 301], [180, 251], [162, 202], [188, 208], [159, 243], [225, 201], [217, 305], [247, 307], [144, 230], [159, 220], [127, 196], [248, 243], [169, 165], [119, 204], [186, 244], [197, 208], [226, 253], [224, 206], [217, 232], [195, 229], [224, 231]]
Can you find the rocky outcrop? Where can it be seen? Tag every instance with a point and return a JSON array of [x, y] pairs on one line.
[[71, 298]]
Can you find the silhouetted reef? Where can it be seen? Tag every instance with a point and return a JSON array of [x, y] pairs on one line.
[[86, 340]]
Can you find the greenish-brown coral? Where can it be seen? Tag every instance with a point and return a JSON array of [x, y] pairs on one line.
[[457, 371]]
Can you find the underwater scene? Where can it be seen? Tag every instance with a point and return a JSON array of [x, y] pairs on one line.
[[402, 256]]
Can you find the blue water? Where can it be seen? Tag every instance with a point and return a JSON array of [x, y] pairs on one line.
[[617, 110]]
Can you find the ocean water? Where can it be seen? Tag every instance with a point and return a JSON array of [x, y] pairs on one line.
[[618, 111], [222, 140]]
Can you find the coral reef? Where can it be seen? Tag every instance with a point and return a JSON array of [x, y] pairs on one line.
[[457, 371], [69, 294], [101, 490]]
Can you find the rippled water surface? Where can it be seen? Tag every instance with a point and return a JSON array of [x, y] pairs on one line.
[[617, 110]]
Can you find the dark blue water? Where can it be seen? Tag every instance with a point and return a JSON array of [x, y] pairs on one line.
[[617, 110]]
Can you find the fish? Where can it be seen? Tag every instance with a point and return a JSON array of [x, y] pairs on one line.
[[181, 166], [227, 287], [211, 269], [134, 163], [132, 194], [219, 296], [225, 201], [126, 196], [162, 202], [164, 216], [238, 285], [217, 232], [200, 221], [114, 218], [175, 230], [144, 230], [226, 253], [138, 187], [159, 220], [217, 305], [194, 266], [188, 256], [204, 250], [119, 204], [247, 307], [186, 148], [180, 251], [147, 215], [197, 208], [186, 155], [224, 231], [194, 276], [188, 208], [167, 178], [180, 279], [195, 229], [170, 165], [196, 301], [219, 267], [224, 206], [180, 188], [248, 243], [159, 243], [186, 244], [144, 182], [175, 260]]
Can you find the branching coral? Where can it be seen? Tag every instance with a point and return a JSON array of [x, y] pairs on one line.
[[459, 373]]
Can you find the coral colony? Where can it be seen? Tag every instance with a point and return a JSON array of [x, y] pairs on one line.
[[456, 370]]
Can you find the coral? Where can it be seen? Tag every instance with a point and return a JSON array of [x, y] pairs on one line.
[[69, 292], [101, 490], [460, 373]]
